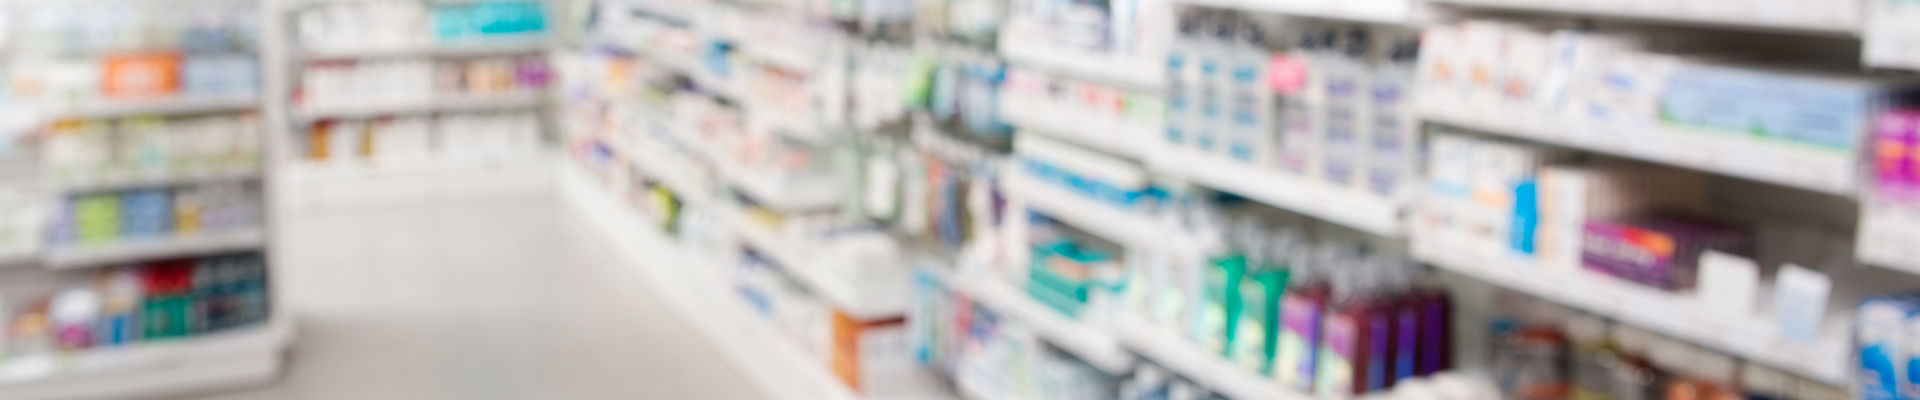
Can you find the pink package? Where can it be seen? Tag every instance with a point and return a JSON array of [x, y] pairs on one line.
[[1895, 142]]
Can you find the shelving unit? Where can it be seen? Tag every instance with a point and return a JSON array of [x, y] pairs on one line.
[[1350, 207], [244, 357], [1806, 167], [1391, 12], [811, 268], [1751, 337], [169, 91], [470, 48], [1106, 221]]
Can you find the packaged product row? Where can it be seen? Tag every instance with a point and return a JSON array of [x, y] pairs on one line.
[[135, 76], [1542, 351], [1782, 14], [374, 83], [421, 137], [973, 22], [991, 356], [81, 151], [156, 213], [121, 306], [1097, 115], [1737, 110], [965, 97], [1316, 307], [399, 24], [1328, 102], [81, 28]]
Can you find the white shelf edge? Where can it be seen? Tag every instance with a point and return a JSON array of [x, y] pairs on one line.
[[1746, 337], [810, 270], [1099, 347], [351, 170], [1826, 171], [506, 45], [1107, 221], [176, 105], [1210, 370], [1385, 12], [1345, 206], [1674, 16], [84, 255], [242, 357], [518, 100], [131, 180]]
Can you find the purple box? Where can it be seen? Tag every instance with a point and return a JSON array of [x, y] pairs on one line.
[[1661, 252]]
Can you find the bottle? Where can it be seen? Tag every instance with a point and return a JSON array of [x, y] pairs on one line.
[[1341, 136], [1248, 137], [1301, 309], [1210, 52], [1295, 78], [1181, 69]]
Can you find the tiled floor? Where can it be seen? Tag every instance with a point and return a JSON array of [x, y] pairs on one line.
[[479, 299]]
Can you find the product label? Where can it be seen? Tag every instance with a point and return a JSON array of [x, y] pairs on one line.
[[1294, 360], [1338, 354], [1286, 74]]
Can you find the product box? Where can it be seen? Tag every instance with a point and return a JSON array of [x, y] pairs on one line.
[[1896, 155], [1661, 252], [141, 75]]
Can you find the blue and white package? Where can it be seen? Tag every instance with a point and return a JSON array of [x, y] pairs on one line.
[[1878, 334]]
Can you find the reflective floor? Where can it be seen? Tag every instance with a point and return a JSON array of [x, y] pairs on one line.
[[500, 298]]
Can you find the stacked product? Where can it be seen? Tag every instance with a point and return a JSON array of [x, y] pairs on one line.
[[1541, 351], [156, 213], [1325, 102], [405, 82], [1648, 90], [491, 134], [160, 300], [391, 24], [1327, 317], [102, 150], [194, 26], [1087, 174], [135, 76]]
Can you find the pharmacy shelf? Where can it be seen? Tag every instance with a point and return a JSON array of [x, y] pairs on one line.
[[164, 368], [671, 169], [813, 270], [687, 65], [178, 105], [1096, 345], [1107, 221], [1345, 206], [1836, 21], [87, 255], [1211, 370], [473, 103], [470, 48], [1802, 166], [124, 181], [1392, 12], [1107, 135], [1143, 71], [693, 287], [1749, 336]]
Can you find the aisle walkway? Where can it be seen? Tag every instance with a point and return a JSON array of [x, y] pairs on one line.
[[493, 299]]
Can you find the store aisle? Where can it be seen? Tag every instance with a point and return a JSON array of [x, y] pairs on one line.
[[484, 299]]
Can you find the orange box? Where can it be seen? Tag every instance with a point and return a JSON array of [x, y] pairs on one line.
[[141, 75]]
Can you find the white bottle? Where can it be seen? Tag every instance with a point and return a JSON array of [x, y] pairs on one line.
[[1248, 139]]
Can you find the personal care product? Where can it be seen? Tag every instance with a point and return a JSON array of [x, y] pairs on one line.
[[1879, 327], [1662, 252]]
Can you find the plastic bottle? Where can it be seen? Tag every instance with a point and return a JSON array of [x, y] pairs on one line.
[[1301, 310]]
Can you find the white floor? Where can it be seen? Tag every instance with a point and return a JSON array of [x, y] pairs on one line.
[[491, 298]]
